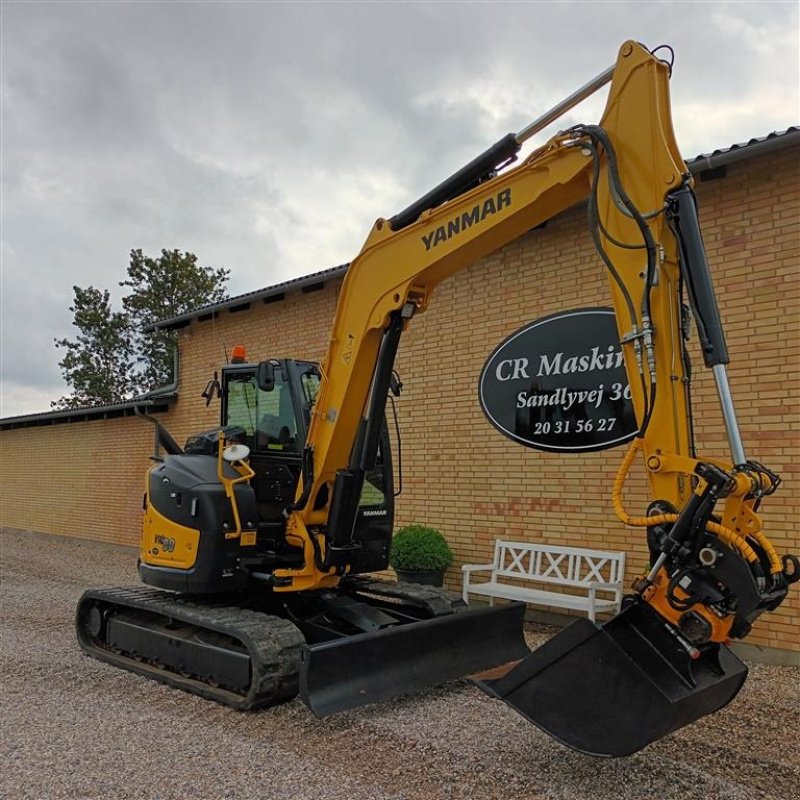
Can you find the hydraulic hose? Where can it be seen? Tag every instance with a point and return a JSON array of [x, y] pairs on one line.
[[729, 537], [775, 563]]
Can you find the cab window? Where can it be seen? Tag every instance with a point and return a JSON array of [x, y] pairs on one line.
[[267, 418], [310, 383], [373, 492]]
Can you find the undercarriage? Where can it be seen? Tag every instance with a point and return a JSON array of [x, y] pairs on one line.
[[338, 649]]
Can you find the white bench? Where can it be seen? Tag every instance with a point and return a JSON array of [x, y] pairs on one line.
[[588, 571]]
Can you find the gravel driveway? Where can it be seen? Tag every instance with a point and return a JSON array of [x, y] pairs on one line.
[[75, 728]]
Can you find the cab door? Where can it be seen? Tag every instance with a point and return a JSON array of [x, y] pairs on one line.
[[375, 515], [274, 430]]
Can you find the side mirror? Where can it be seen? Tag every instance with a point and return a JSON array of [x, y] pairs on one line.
[[266, 376]]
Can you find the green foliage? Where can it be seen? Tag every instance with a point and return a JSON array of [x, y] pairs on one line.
[[420, 547], [112, 359], [162, 288], [99, 363]]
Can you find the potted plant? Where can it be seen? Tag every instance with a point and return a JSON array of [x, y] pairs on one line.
[[421, 555]]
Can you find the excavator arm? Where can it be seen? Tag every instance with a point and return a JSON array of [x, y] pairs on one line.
[[629, 170], [405, 258], [663, 660]]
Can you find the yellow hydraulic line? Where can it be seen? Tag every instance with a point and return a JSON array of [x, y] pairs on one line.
[[744, 487], [728, 536], [775, 563]]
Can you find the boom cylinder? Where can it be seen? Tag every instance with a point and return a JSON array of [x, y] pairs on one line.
[[470, 175], [501, 152], [682, 214]]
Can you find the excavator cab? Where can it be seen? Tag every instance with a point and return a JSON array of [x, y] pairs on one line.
[[267, 408], [272, 418], [272, 403]]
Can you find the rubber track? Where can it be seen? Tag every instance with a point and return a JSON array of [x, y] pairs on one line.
[[434, 601], [272, 643]]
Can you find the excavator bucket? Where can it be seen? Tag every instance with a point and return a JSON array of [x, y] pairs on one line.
[[612, 689], [372, 667]]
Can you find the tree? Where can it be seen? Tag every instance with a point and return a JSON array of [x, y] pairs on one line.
[[162, 288], [99, 363], [112, 359]]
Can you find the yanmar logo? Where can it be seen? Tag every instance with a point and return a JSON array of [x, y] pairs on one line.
[[466, 220]]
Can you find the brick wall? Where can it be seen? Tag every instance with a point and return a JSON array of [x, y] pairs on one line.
[[83, 479], [461, 475]]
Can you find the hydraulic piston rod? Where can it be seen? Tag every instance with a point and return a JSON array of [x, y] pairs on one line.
[[499, 154], [729, 415], [682, 213], [565, 105]]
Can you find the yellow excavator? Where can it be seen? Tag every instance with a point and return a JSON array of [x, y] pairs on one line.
[[258, 534]]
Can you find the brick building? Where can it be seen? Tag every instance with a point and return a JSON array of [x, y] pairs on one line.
[[459, 474]]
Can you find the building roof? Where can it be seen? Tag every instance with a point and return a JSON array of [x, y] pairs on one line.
[[241, 302], [316, 280], [149, 404], [749, 149]]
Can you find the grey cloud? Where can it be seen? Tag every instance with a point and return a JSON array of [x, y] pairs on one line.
[[266, 137]]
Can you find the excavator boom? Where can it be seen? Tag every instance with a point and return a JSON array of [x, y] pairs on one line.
[[403, 261]]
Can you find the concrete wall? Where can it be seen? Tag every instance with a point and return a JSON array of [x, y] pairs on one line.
[[460, 475]]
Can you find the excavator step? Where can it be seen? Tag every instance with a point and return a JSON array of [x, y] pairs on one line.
[[612, 689]]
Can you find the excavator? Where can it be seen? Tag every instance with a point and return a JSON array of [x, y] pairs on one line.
[[260, 536]]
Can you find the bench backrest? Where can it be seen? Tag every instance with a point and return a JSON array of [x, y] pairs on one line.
[[572, 566]]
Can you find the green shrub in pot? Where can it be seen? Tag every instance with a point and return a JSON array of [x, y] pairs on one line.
[[420, 554]]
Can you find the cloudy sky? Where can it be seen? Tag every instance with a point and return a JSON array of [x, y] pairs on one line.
[[267, 137]]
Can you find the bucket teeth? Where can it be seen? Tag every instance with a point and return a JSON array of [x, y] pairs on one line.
[[612, 689]]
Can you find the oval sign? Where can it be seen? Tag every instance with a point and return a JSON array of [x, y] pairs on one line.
[[559, 384]]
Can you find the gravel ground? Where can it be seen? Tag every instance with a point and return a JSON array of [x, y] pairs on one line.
[[75, 728]]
